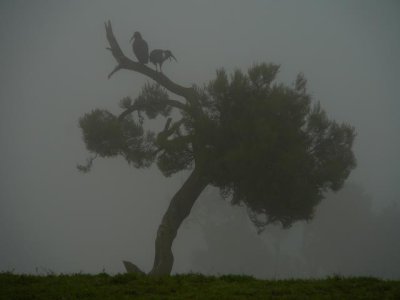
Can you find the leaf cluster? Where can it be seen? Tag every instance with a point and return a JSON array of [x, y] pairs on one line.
[[273, 150], [263, 143], [106, 135]]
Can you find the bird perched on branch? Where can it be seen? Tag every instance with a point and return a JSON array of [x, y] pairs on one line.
[[140, 48], [158, 56]]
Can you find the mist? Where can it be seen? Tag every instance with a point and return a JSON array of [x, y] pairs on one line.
[[54, 66]]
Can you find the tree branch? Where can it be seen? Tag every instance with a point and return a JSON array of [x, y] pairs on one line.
[[176, 104], [117, 68], [128, 64], [135, 107], [169, 130], [162, 137]]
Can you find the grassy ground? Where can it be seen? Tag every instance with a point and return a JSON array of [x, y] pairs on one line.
[[131, 286]]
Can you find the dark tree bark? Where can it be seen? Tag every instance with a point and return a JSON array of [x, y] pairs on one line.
[[182, 203], [179, 208]]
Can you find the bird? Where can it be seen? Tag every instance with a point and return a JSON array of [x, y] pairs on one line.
[[140, 48], [158, 56]]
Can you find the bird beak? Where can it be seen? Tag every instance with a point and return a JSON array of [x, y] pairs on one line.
[[173, 57], [133, 36]]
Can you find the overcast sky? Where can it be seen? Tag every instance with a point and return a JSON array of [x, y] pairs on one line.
[[53, 69]]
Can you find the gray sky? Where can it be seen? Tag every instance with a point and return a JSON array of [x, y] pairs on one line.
[[53, 69]]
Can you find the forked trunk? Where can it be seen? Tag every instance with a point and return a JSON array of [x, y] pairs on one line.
[[179, 208]]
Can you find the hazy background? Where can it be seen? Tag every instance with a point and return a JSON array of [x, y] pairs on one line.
[[53, 69]]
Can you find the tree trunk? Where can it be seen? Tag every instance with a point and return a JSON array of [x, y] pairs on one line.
[[179, 208]]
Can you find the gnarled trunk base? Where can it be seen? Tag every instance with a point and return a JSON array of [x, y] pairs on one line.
[[179, 208]]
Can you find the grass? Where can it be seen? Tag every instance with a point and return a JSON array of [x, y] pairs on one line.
[[191, 286]]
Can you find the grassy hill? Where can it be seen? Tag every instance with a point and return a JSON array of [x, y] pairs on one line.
[[192, 286]]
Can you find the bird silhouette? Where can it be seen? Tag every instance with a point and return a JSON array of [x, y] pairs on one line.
[[158, 56], [140, 48]]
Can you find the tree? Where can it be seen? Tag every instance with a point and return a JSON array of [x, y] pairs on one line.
[[260, 142], [351, 238]]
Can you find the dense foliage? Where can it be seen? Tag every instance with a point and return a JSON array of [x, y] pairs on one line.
[[277, 153], [263, 143]]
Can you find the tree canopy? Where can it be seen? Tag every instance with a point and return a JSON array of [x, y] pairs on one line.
[[263, 143]]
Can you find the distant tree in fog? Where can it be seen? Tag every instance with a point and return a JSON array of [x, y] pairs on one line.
[[385, 243], [349, 238], [262, 143], [234, 247]]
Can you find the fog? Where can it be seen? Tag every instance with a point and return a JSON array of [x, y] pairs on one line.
[[53, 69]]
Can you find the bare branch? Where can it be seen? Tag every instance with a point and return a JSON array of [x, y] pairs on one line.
[[166, 126], [128, 64], [126, 112], [114, 47], [162, 137], [176, 104], [118, 67], [169, 130]]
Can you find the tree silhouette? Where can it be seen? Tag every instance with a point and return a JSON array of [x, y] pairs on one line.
[[348, 237], [260, 142]]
